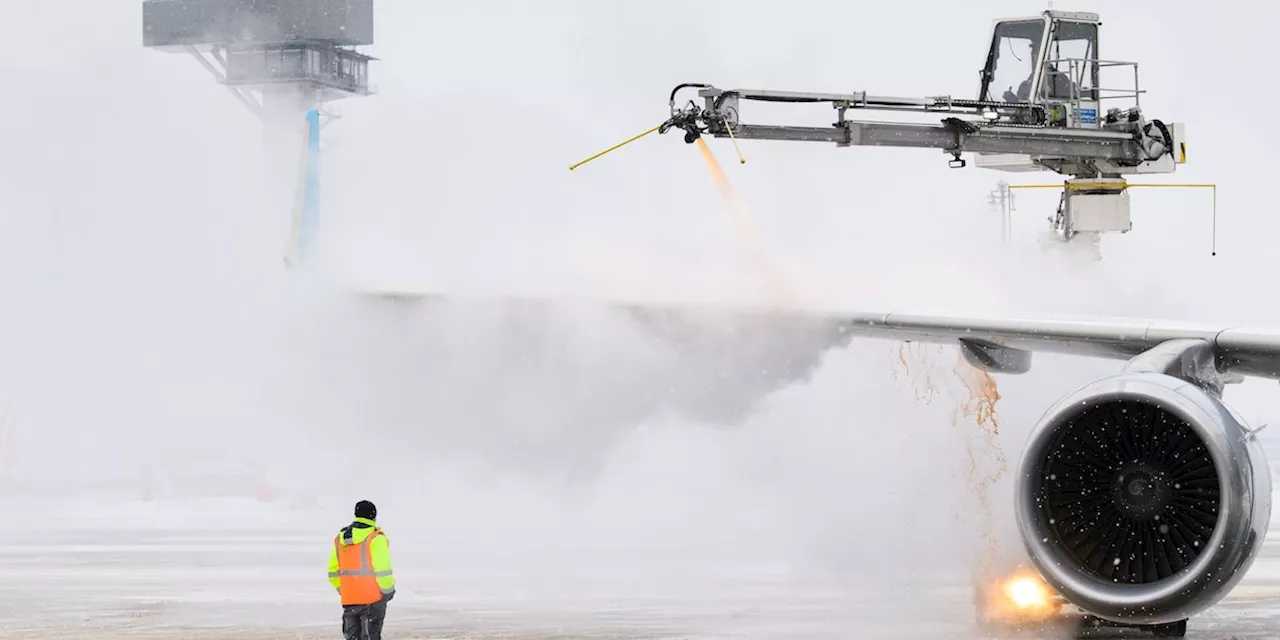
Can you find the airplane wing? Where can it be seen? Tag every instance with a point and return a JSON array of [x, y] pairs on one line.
[[1241, 350], [997, 344]]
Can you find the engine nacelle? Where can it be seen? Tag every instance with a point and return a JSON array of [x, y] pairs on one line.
[[1142, 498]]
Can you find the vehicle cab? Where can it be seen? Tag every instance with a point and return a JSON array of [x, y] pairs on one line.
[[1050, 64]]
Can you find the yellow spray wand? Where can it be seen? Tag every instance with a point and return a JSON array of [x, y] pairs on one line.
[[628, 141]]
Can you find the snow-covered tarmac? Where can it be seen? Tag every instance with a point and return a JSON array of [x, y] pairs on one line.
[[236, 573]]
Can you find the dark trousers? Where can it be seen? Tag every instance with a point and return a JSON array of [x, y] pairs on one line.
[[363, 621]]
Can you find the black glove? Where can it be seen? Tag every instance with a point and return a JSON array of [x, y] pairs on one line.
[[386, 597]]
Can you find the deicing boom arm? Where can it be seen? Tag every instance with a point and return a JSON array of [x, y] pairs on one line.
[[1003, 127]]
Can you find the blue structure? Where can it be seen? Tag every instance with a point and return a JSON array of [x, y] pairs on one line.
[[309, 225], [306, 206]]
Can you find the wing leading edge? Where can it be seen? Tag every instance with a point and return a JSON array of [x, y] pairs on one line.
[[1242, 350], [998, 344]]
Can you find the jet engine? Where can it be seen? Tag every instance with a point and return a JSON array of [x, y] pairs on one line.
[[1142, 498]]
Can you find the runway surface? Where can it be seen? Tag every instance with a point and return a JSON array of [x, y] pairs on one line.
[[259, 578]]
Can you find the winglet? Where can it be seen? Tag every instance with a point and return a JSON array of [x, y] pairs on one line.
[[1252, 433]]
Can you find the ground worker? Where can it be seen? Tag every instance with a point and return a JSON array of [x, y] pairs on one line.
[[360, 569]]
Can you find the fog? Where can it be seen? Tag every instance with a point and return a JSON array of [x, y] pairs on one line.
[[160, 367]]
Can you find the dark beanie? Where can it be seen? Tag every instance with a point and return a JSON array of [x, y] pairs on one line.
[[365, 509]]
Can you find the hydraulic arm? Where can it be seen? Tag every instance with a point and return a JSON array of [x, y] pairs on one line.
[[1124, 143], [1040, 106]]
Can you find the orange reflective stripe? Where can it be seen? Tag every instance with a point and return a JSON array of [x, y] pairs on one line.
[[357, 583]]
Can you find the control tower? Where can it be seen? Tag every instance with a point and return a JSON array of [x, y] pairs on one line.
[[283, 60]]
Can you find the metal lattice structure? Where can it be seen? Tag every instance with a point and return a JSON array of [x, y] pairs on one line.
[[284, 60]]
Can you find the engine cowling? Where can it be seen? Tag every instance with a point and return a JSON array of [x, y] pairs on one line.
[[1142, 498]]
